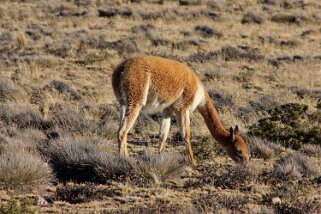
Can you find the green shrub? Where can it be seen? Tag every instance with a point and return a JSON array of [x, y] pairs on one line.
[[291, 125]]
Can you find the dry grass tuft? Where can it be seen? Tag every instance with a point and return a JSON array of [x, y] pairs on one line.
[[311, 150], [22, 40], [158, 168], [110, 166], [63, 88], [23, 171], [295, 166], [81, 161], [260, 148], [22, 118], [72, 120], [9, 91]]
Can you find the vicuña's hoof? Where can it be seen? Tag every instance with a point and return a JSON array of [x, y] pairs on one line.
[[193, 163]]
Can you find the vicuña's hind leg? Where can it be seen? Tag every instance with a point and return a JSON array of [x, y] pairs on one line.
[[134, 91], [126, 124], [164, 128], [184, 123]]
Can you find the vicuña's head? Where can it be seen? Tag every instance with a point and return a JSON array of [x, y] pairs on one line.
[[236, 147]]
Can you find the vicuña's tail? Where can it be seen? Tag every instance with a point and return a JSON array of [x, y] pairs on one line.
[[116, 78]]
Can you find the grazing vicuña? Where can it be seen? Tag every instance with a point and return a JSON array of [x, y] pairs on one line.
[[158, 82]]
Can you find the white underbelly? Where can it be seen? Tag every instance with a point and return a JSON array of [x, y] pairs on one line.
[[154, 103]]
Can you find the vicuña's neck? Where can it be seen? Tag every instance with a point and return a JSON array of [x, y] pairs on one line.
[[213, 123]]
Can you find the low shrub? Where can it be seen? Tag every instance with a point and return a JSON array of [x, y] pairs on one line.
[[219, 203], [289, 18], [157, 207], [229, 53], [251, 18], [204, 149], [241, 176], [81, 193], [190, 2], [207, 32]]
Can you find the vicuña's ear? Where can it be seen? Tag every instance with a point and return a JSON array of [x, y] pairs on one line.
[[232, 134], [236, 130]]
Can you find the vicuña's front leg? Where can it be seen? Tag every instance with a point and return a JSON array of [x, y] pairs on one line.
[[126, 124], [164, 129], [184, 122]]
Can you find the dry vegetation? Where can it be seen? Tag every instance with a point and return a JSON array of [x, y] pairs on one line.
[[260, 61]]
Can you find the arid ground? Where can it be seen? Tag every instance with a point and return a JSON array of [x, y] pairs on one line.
[[259, 59]]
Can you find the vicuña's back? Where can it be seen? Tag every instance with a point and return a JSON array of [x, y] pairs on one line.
[[158, 82]]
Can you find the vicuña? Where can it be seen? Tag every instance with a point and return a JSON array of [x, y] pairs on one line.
[[157, 82]]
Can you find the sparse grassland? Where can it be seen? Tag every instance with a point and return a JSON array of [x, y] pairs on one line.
[[260, 61]]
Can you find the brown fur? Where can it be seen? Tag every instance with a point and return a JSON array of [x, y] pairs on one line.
[[149, 80]]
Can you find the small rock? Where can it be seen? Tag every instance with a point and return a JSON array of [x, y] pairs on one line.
[[41, 201], [276, 200]]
